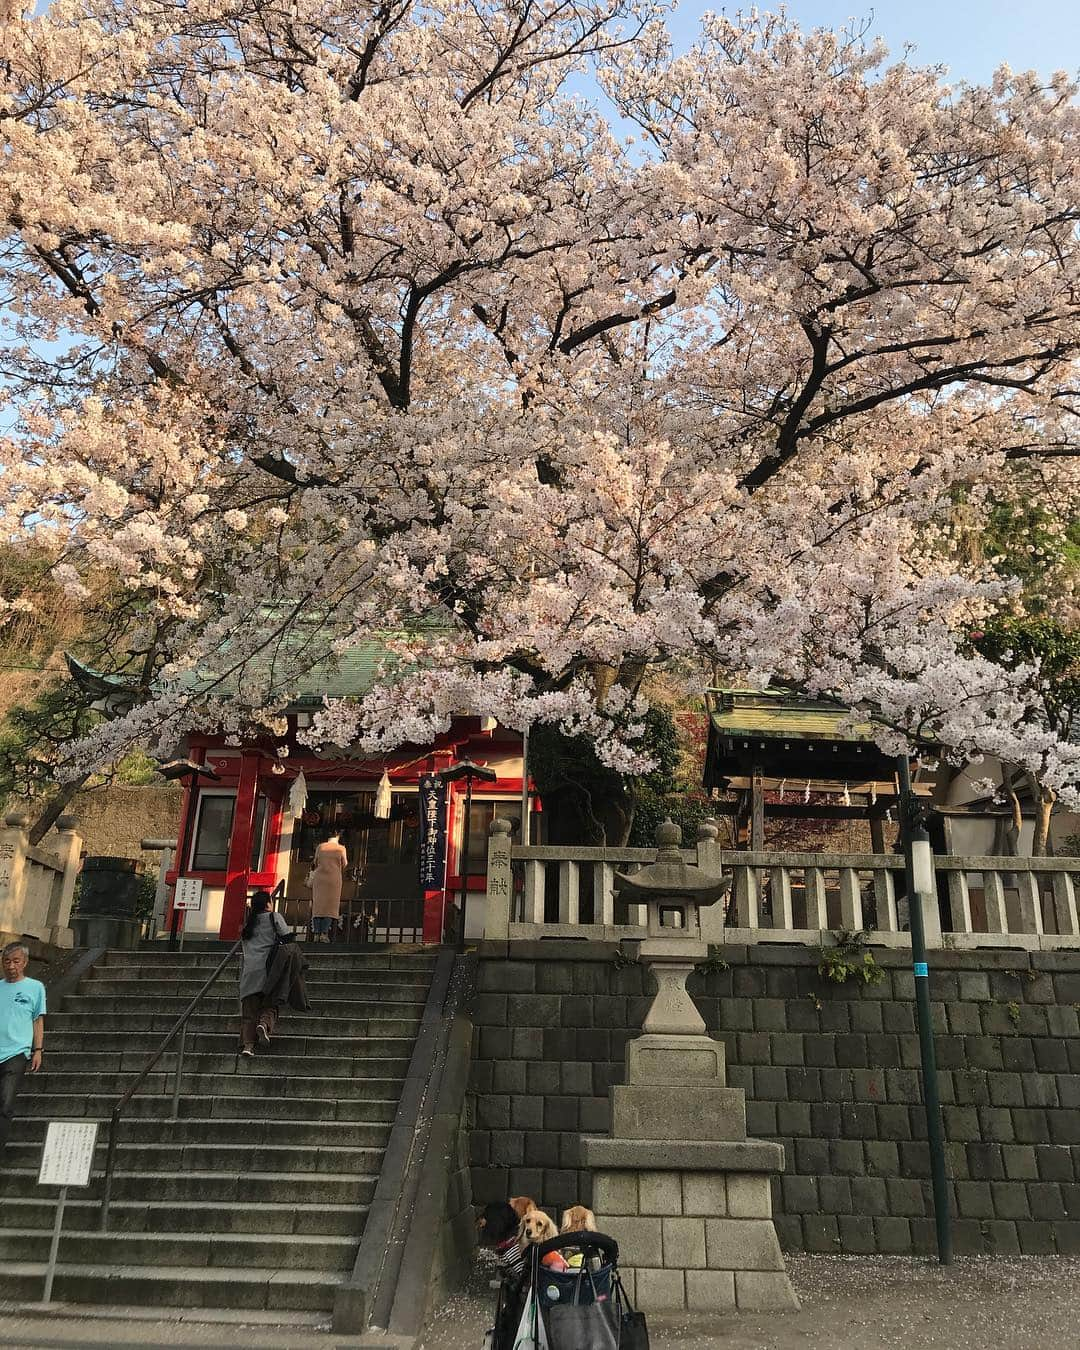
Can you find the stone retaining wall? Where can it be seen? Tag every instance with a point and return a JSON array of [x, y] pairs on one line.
[[830, 1071]]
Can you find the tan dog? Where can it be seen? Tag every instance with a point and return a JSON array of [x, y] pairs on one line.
[[578, 1219], [537, 1227], [522, 1205]]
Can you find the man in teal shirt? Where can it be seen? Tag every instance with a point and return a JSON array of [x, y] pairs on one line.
[[22, 1029]]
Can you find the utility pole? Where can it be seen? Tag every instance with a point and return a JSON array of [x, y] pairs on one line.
[[920, 888]]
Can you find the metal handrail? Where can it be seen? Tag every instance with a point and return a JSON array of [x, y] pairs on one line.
[[179, 1027]]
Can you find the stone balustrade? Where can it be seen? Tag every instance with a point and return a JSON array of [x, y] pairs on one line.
[[552, 891], [37, 885]]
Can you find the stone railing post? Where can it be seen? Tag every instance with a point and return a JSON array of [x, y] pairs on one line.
[[13, 846], [709, 859], [500, 882], [68, 846], [166, 852]]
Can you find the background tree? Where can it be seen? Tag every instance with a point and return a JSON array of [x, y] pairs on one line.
[[45, 714], [1054, 647], [365, 317]]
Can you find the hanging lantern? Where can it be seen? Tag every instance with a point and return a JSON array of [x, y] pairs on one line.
[[382, 798], [298, 795], [847, 796]]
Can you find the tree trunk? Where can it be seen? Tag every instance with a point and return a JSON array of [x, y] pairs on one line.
[[1015, 826], [54, 809], [1045, 797]]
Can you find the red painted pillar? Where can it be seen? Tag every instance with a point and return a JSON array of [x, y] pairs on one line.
[[239, 862]]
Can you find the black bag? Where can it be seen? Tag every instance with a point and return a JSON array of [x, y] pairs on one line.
[[280, 939], [581, 1325], [633, 1330]]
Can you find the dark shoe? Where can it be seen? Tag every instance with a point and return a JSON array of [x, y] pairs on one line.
[[263, 1034], [248, 1051]]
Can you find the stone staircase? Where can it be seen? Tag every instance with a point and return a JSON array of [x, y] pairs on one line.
[[256, 1197]]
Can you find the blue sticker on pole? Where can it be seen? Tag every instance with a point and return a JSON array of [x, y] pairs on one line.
[[922, 970]]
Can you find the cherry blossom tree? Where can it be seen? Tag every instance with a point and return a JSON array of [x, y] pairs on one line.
[[324, 325]]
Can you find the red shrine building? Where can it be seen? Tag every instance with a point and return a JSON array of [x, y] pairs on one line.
[[240, 831]]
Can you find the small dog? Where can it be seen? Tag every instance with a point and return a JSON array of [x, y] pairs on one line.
[[578, 1219], [537, 1227], [497, 1228], [522, 1205]]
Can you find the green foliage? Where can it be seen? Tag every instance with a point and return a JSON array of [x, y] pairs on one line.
[[849, 959], [1026, 541], [1055, 646], [137, 769], [34, 741], [590, 801]]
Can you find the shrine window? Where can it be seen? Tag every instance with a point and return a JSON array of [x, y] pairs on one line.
[[213, 830]]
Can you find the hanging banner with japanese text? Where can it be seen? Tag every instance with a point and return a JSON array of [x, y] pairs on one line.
[[432, 833]]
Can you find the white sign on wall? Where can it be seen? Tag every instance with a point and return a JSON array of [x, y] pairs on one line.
[[188, 894], [68, 1156]]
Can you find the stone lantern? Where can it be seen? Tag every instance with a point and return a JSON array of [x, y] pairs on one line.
[[677, 1183], [673, 892]]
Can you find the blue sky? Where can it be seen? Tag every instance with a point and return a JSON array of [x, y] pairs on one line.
[[971, 38]]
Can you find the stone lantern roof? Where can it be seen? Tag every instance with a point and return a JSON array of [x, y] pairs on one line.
[[670, 877]]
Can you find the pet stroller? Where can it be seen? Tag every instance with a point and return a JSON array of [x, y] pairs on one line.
[[581, 1307]]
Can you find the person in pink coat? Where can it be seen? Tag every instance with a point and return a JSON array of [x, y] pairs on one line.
[[327, 875]]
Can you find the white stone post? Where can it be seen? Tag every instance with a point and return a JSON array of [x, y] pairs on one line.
[[500, 882], [67, 848], [13, 846], [710, 859]]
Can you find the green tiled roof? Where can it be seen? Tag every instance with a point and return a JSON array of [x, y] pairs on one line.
[[781, 713], [278, 672], [349, 676]]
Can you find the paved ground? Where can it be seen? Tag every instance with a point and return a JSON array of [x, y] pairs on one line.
[[849, 1303], [872, 1303]]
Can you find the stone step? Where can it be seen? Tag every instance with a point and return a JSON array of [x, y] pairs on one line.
[[132, 1008], [331, 972], [195, 1130], [384, 955], [176, 1286], [195, 1216], [222, 1023], [318, 991], [246, 1187], [64, 1106], [288, 1040], [251, 1078], [300, 1251], [221, 1157], [274, 1059]]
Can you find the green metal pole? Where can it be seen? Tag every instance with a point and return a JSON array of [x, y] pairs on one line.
[[915, 837]]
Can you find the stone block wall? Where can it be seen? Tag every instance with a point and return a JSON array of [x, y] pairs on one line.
[[830, 1071]]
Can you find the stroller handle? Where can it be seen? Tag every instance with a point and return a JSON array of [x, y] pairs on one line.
[[584, 1240]]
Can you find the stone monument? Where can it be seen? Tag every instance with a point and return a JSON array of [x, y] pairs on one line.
[[678, 1184]]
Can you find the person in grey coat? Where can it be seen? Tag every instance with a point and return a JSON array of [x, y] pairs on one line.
[[262, 929]]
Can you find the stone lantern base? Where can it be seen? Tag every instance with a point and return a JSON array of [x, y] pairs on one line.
[[680, 1187], [696, 1233]]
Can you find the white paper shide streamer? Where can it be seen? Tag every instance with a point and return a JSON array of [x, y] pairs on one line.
[[382, 797], [298, 795]]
